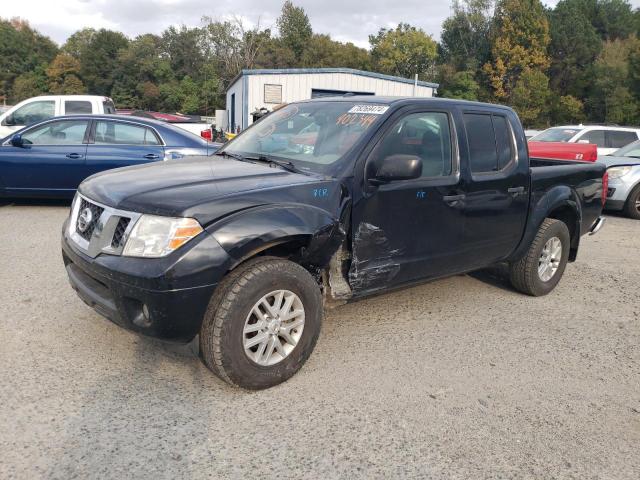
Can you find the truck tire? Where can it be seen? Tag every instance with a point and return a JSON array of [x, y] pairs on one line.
[[262, 323], [541, 268], [632, 206]]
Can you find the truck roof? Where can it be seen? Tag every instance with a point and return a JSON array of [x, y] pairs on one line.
[[387, 100]]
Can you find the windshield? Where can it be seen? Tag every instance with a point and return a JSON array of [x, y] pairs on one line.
[[631, 150], [557, 134], [313, 136]]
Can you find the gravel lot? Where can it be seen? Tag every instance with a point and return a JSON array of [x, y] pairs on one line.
[[461, 378]]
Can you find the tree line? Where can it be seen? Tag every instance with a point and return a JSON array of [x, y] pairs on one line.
[[578, 61]]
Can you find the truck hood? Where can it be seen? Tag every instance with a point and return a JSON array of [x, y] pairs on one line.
[[180, 187], [611, 161]]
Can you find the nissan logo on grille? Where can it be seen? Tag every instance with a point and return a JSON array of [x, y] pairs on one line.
[[84, 220]]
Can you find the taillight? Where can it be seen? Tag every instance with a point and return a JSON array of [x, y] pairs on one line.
[[206, 134], [605, 187]]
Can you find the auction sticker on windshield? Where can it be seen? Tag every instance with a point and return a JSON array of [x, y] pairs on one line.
[[371, 109]]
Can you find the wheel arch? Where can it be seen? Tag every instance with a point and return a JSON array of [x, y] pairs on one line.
[[561, 203], [308, 234]]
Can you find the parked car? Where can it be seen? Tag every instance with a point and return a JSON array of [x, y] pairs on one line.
[[36, 109], [623, 167], [564, 151], [246, 248], [607, 138], [51, 158], [190, 123]]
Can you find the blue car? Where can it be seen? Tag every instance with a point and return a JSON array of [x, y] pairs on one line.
[[51, 158]]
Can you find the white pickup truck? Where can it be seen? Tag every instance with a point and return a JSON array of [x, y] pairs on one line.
[[37, 109], [40, 108]]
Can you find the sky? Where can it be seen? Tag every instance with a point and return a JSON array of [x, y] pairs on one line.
[[344, 20]]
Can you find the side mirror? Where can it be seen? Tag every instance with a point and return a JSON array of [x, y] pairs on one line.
[[584, 141], [17, 141], [397, 167]]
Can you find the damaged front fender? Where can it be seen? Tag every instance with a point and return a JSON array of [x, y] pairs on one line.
[[246, 233]]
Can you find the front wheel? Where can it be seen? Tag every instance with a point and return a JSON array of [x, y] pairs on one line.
[[262, 323], [632, 206], [541, 268]]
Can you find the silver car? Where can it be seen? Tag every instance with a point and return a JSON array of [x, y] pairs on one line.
[[623, 167]]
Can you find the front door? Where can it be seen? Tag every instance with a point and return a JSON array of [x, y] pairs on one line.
[[51, 161], [409, 230]]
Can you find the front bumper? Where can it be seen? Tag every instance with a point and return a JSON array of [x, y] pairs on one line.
[[162, 298]]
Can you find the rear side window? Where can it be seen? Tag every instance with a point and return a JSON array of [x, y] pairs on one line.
[[620, 139], [72, 107], [114, 133], [594, 136], [490, 142], [108, 107]]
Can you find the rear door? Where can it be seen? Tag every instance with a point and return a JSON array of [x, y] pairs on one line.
[[114, 144], [496, 201], [52, 159]]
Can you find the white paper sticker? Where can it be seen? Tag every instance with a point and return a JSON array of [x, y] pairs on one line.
[[370, 109]]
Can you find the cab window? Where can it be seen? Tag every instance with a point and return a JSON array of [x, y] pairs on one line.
[[66, 132], [594, 136], [426, 135], [77, 107]]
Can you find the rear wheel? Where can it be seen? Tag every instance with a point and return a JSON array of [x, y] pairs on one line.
[[262, 323], [632, 207], [540, 270]]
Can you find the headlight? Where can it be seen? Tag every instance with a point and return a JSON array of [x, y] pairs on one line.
[[617, 172], [154, 236]]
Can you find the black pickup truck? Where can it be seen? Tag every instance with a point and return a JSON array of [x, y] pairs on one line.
[[316, 204]]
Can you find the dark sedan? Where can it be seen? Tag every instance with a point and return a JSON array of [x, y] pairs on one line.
[[52, 157]]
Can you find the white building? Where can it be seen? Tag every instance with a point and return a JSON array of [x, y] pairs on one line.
[[252, 90]]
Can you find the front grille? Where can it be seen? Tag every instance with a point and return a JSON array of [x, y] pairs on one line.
[[118, 235], [85, 228]]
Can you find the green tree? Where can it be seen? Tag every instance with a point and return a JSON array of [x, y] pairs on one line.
[[63, 75], [614, 19], [530, 98], [575, 44], [294, 28], [78, 43], [29, 84], [567, 110], [22, 50], [612, 99], [461, 85], [98, 62], [519, 41], [464, 41], [322, 51], [183, 47], [404, 51]]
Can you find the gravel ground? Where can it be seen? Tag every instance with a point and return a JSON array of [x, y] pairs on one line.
[[461, 378]]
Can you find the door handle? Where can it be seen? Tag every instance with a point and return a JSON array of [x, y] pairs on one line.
[[75, 155], [452, 200], [515, 191], [151, 156]]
